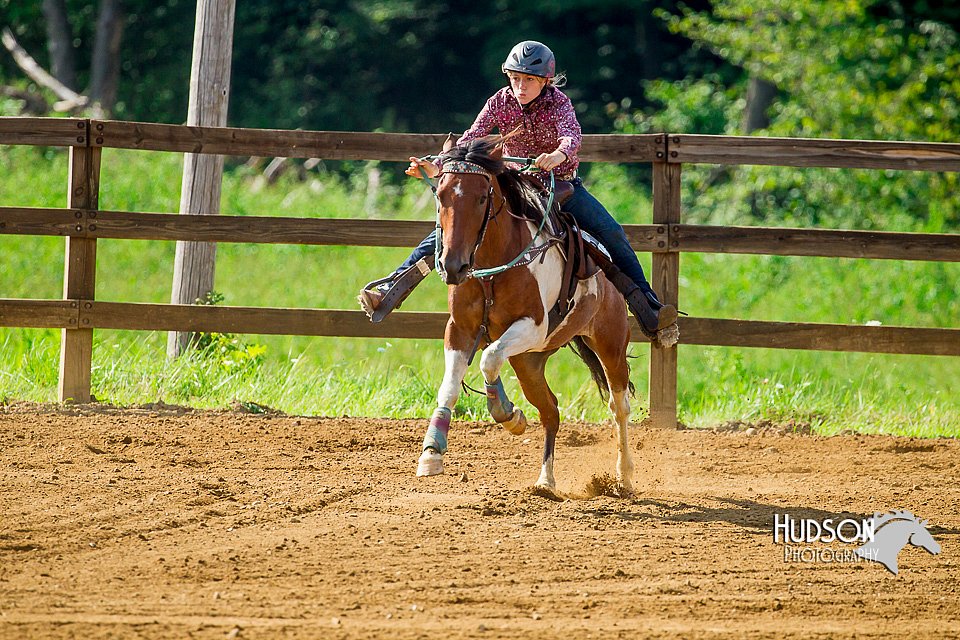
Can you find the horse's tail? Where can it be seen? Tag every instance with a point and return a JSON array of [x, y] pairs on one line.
[[585, 353]]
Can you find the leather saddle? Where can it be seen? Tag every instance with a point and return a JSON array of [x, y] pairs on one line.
[[576, 246], [563, 190]]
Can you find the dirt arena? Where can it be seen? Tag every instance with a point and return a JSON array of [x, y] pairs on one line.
[[161, 522]]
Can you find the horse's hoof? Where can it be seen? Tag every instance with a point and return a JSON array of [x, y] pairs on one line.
[[517, 423], [430, 463]]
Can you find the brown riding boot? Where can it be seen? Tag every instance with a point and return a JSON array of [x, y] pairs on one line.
[[652, 315], [380, 297], [651, 319]]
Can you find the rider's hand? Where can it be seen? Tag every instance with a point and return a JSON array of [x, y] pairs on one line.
[[548, 161], [418, 168]]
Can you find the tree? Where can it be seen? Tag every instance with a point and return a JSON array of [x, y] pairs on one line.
[[846, 72], [101, 93], [856, 69], [60, 43]]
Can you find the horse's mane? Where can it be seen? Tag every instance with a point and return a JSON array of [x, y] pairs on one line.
[[520, 191]]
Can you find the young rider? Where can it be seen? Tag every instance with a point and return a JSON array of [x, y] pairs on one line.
[[549, 131]]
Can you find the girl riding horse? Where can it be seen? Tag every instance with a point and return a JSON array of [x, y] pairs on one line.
[[508, 269], [546, 128]]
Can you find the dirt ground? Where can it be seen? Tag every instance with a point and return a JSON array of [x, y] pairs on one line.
[[160, 522]]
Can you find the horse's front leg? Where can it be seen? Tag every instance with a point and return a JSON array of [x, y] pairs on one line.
[[520, 337], [455, 358]]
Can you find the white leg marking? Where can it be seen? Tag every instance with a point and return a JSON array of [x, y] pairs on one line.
[[546, 475], [522, 336], [620, 405], [430, 463], [455, 367]]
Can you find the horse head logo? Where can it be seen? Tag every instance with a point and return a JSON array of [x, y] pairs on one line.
[[891, 533]]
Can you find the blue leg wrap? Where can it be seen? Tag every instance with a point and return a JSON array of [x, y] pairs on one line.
[[436, 437], [500, 407]]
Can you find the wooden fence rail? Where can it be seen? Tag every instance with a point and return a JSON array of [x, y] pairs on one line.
[[82, 223]]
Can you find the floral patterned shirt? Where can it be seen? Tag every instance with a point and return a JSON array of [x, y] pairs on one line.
[[548, 123]]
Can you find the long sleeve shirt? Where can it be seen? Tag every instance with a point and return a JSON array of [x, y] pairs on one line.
[[548, 123]]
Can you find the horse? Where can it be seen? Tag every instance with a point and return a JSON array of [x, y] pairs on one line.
[[489, 214], [891, 533]]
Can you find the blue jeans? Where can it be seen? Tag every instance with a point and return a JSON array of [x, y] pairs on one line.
[[592, 217]]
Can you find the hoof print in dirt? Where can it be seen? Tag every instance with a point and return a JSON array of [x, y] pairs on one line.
[[547, 492]]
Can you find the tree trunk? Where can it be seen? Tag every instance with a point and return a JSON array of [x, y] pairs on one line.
[[105, 64], [200, 193], [647, 46], [60, 43], [760, 95]]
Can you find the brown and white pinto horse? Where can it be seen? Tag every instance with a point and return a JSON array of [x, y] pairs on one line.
[[488, 215]]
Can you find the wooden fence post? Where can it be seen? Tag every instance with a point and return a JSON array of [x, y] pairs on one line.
[[666, 282], [195, 262], [79, 279]]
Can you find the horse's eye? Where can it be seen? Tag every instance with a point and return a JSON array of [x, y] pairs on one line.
[[483, 199]]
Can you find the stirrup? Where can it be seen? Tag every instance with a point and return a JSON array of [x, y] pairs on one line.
[[376, 305], [651, 320]]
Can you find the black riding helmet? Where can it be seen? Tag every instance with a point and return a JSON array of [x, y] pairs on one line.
[[531, 57]]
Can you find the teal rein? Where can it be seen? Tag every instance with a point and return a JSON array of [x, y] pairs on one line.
[[492, 271]]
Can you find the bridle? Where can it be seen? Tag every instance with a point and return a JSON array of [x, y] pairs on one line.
[[462, 167], [453, 167]]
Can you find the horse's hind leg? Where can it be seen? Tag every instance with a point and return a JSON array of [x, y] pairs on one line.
[[612, 353], [529, 368], [620, 406]]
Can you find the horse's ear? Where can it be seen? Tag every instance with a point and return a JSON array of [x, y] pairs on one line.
[[497, 152], [450, 142]]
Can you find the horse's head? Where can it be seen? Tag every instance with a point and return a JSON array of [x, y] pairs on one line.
[[465, 194]]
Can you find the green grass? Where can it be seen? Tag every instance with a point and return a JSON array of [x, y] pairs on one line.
[[828, 392]]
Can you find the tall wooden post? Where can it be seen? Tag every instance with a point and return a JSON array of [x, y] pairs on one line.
[[195, 262], [666, 282], [79, 279]]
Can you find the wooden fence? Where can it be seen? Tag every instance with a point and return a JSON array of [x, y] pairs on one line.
[[82, 223]]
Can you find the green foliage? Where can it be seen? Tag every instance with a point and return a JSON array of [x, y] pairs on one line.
[[703, 105], [229, 352], [399, 65], [846, 73], [856, 69], [225, 349], [843, 70]]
